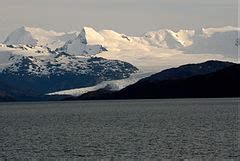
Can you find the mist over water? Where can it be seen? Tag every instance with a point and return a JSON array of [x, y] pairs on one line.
[[187, 128]]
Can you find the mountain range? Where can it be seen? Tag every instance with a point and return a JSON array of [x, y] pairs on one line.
[[206, 80], [35, 62]]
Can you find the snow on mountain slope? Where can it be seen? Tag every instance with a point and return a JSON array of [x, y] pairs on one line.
[[151, 52], [42, 70], [169, 39], [87, 42], [40, 37], [183, 39], [90, 36], [157, 59], [10, 54], [218, 41], [43, 57], [159, 50], [215, 41]]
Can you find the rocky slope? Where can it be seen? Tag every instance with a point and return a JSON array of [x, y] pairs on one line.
[[39, 70]]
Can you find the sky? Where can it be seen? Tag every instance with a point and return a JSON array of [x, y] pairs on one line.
[[132, 17]]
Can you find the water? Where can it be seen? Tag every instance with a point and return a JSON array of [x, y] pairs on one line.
[[146, 129]]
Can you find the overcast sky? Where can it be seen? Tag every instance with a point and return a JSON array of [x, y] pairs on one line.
[[132, 17]]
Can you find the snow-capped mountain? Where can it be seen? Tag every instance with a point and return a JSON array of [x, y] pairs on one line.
[[33, 53], [154, 46], [214, 37], [87, 42], [42, 70], [169, 39], [215, 41], [39, 37], [220, 41], [162, 49]]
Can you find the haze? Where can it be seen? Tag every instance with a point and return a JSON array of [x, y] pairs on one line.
[[132, 17]]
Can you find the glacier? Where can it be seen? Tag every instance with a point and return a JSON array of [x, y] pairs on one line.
[[149, 53]]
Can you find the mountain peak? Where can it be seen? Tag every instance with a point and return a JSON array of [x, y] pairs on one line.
[[90, 36], [21, 36], [37, 36]]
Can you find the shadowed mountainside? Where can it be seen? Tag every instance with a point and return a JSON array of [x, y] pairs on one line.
[[218, 83]]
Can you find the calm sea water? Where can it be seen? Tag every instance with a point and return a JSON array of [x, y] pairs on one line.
[[146, 129]]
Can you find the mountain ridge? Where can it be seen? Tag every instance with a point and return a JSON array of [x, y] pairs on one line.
[[219, 83], [39, 37], [39, 53], [165, 38]]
